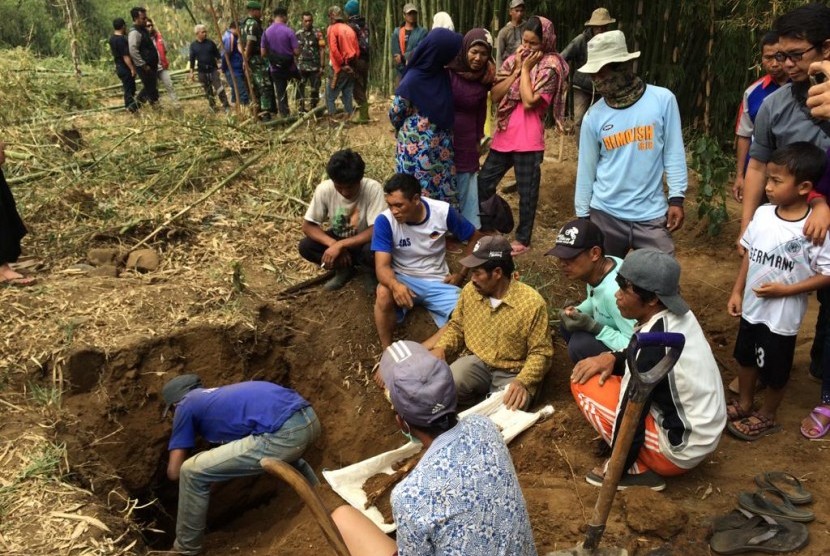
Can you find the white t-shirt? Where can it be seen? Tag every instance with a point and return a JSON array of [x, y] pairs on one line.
[[688, 405], [418, 248], [346, 218], [779, 252]]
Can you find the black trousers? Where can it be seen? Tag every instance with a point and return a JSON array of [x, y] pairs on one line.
[[128, 84], [149, 85], [312, 251]]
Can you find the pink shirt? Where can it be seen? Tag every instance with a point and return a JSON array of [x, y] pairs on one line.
[[525, 130]]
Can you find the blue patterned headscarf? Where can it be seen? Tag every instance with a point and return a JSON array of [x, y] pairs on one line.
[[426, 83]]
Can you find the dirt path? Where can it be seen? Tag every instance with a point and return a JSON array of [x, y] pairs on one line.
[[324, 345]]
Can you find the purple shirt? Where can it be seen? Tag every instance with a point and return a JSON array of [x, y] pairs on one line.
[[280, 39], [470, 101]]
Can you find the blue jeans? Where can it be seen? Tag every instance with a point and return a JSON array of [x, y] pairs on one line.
[[230, 77], [239, 458], [345, 85], [466, 184]]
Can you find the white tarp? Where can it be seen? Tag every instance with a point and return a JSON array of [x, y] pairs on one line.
[[348, 481]]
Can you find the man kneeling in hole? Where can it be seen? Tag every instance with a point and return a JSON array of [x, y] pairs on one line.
[[249, 421]]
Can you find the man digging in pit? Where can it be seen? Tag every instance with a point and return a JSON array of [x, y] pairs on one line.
[[463, 496], [350, 202], [409, 242], [248, 421], [518, 355]]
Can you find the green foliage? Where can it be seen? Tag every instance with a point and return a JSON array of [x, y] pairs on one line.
[[713, 167], [47, 396]]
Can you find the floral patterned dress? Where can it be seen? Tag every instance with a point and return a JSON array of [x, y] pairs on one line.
[[424, 151]]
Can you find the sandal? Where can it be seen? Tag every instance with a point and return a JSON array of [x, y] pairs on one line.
[[518, 249], [734, 411], [22, 282], [789, 486], [818, 429], [758, 426], [768, 501], [760, 534]]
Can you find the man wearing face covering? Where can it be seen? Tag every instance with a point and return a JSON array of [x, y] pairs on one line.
[[628, 141]]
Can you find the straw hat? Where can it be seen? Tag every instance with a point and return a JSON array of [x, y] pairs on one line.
[[600, 18]]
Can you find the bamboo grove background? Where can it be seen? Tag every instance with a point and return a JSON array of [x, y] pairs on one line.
[[703, 50]]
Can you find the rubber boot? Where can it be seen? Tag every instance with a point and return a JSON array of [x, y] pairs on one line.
[[341, 276], [362, 114]]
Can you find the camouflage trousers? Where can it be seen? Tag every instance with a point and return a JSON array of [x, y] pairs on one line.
[[261, 78]]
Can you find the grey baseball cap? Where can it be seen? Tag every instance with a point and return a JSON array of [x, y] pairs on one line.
[[409, 8], [517, 3], [486, 249], [656, 272], [176, 388], [420, 385]]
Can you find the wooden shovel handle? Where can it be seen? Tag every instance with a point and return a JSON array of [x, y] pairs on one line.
[[296, 481]]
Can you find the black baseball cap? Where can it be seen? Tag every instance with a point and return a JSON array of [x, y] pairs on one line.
[[575, 237], [486, 249]]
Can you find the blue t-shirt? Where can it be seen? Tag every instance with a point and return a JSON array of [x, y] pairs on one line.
[[228, 413]]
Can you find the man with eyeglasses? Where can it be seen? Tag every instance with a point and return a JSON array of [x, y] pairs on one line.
[[686, 411], [784, 118], [753, 98]]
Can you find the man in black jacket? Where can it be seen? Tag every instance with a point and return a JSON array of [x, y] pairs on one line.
[[204, 57], [144, 55]]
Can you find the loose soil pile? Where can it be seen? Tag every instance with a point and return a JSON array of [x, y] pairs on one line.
[[213, 308]]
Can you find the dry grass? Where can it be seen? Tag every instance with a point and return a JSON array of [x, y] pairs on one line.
[[85, 176]]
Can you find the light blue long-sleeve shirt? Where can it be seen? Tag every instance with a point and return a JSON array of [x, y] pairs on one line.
[[623, 155], [601, 304]]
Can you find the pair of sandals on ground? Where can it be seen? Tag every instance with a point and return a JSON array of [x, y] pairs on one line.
[[767, 520], [751, 425]]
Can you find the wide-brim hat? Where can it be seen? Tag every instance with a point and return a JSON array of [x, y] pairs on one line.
[[600, 18], [607, 48], [657, 272]]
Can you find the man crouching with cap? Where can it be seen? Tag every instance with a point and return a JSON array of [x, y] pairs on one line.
[[595, 325], [686, 410], [463, 497], [504, 325], [250, 421]]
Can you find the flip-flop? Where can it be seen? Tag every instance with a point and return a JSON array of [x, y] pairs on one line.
[[763, 428], [817, 424], [786, 484], [737, 411], [22, 282], [735, 519], [768, 501], [761, 534]]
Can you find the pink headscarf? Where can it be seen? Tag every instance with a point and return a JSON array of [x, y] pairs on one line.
[[549, 76]]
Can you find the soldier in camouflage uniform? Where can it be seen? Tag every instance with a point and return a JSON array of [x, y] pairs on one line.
[[251, 32], [311, 62]]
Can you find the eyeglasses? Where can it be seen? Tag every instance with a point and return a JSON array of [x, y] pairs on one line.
[[794, 56]]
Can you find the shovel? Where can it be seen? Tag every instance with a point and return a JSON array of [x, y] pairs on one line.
[[299, 483], [641, 385]]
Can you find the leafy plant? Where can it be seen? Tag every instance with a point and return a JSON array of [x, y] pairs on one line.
[[713, 167]]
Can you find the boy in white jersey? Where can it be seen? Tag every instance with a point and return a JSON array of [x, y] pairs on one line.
[[779, 269]]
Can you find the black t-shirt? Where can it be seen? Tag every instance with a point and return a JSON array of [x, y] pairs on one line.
[[204, 55], [120, 48]]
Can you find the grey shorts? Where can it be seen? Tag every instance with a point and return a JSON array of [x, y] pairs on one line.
[[622, 236]]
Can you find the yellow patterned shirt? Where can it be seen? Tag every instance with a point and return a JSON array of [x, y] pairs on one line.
[[513, 337]]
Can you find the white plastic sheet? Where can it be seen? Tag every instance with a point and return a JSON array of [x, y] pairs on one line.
[[348, 481]]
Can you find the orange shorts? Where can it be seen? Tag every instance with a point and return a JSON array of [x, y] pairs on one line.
[[599, 405]]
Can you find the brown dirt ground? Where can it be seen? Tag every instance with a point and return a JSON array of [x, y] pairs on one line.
[[324, 345]]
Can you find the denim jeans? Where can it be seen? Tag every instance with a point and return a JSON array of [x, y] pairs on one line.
[[345, 85], [239, 458], [467, 189], [241, 85]]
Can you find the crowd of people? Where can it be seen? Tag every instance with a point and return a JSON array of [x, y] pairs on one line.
[[493, 333]]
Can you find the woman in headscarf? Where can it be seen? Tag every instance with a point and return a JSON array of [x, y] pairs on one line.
[[422, 114], [443, 20], [527, 82], [472, 74]]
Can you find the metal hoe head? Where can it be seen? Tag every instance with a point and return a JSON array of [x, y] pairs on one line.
[[644, 382]]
